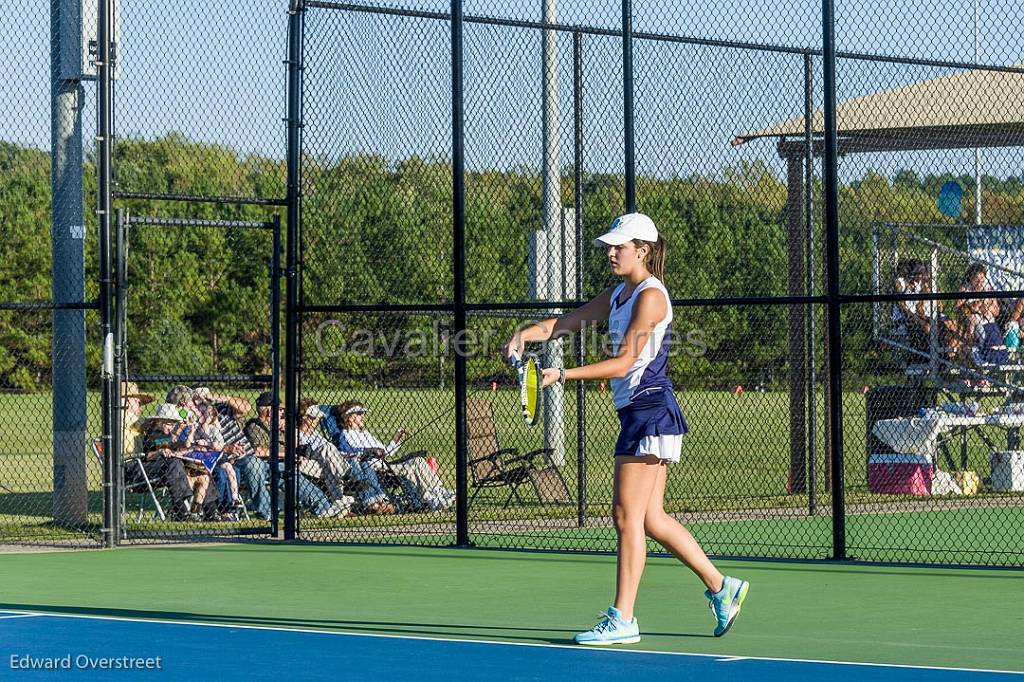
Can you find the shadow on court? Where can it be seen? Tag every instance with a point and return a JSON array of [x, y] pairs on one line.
[[450, 630]]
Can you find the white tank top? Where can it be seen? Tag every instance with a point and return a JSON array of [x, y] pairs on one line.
[[649, 371]]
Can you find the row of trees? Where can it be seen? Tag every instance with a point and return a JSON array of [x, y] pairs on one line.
[[378, 231]]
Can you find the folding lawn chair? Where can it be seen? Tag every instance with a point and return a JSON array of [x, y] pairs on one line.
[[492, 466], [145, 488]]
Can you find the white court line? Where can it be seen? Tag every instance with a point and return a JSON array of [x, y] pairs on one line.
[[20, 615], [596, 650], [730, 659]]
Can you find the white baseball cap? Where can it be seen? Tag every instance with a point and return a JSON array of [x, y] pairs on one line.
[[628, 227]]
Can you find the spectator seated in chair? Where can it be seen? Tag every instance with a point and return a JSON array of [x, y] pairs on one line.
[[164, 444], [983, 339], [238, 457], [256, 474], [161, 471], [203, 439], [323, 460], [422, 485], [912, 320], [1012, 335]]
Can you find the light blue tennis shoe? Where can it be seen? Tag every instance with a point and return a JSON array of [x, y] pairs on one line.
[[612, 629], [726, 603]]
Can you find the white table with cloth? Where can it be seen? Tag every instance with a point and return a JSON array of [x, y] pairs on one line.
[[926, 434]]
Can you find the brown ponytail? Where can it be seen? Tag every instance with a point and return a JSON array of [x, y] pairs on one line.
[[655, 260]]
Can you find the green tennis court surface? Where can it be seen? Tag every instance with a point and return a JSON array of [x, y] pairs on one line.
[[921, 617]]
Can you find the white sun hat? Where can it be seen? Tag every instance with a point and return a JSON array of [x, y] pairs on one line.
[[168, 412]]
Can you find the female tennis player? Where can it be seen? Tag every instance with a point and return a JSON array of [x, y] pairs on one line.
[[639, 313]]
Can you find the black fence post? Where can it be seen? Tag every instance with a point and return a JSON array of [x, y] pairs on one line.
[[111, 436], [275, 371], [296, 26], [830, 177], [581, 394], [120, 290], [459, 239], [627, 102]]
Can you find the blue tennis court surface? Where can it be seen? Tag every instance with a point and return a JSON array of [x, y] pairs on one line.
[[99, 648]]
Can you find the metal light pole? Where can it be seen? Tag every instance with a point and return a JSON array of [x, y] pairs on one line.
[[67, 234], [552, 263]]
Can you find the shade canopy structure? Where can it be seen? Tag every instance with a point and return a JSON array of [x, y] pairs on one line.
[[966, 109], [980, 108]]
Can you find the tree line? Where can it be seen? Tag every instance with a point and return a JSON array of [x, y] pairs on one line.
[[379, 231]]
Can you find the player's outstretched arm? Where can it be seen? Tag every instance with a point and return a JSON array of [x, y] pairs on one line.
[[592, 312]]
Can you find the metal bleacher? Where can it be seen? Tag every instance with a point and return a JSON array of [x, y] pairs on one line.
[[936, 365]]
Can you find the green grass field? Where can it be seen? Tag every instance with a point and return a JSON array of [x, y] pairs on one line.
[[736, 460]]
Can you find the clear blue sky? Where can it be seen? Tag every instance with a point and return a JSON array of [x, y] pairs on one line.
[[214, 71]]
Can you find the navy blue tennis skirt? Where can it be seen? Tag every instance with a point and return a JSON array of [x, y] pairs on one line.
[[654, 413]]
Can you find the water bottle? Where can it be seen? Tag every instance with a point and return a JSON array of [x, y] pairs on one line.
[[1012, 338]]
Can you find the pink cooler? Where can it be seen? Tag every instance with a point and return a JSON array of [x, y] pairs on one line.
[[900, 474]]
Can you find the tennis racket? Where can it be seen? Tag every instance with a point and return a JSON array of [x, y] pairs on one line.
[[530, 382]]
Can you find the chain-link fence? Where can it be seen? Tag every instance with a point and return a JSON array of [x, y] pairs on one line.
[[728, 143], [376, 428], [199, 173], [197, 346], [444, 177], [927, 142], [50, 492]]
